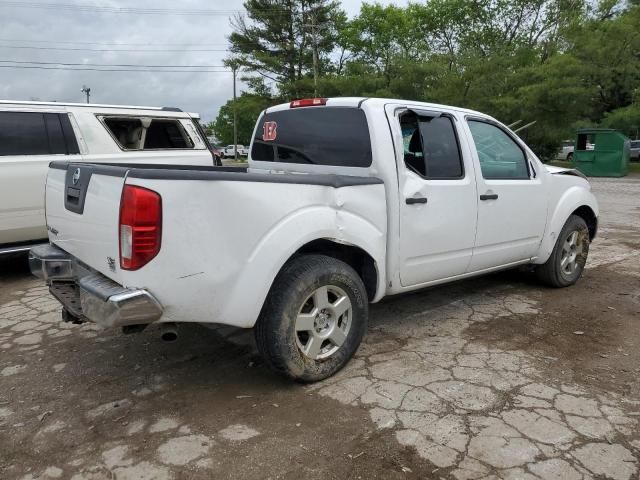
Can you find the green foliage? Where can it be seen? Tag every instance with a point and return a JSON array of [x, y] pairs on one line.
[[248, 107], [278, 41], [560, 63], [625, 119]]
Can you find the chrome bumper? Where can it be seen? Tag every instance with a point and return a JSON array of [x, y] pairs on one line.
[[50, 263], [90, 295]]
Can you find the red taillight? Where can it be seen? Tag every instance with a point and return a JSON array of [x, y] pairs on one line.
[[140, 226], [308, 102]]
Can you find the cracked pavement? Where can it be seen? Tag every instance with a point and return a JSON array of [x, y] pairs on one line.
[[484, 412], [491, 378]]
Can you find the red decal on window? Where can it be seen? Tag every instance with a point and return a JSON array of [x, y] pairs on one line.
[[269, 131]]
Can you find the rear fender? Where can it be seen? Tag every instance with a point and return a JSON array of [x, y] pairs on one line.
[[285, 239]]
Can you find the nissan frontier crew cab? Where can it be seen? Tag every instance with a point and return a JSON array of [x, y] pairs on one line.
[[344, 201]]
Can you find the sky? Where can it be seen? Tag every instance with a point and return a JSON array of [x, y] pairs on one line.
[[88, 32]]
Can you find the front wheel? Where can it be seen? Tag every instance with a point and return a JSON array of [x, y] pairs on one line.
[[314, 318], [566, 263]]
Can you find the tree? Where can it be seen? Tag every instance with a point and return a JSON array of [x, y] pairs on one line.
[[608, 47], [276, 39], [561, 63], [626, 119], [379, 37], [248, 105]]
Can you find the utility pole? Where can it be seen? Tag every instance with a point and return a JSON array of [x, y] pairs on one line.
[[314, 35], [234, 67], [315, 28], [86, 90]]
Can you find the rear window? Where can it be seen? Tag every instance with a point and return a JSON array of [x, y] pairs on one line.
[[166, 134], [148, 133], [334, 136]]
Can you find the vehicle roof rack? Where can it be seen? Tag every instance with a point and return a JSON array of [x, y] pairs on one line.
[[88, 105]]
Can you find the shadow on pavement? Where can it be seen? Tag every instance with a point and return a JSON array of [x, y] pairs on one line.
[[14, 266]]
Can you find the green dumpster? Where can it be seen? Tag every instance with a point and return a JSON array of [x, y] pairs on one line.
[[601, 152]]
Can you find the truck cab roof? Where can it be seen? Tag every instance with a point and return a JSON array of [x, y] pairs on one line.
[[375, 102]]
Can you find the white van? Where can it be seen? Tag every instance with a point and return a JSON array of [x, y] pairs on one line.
[[32, 134]]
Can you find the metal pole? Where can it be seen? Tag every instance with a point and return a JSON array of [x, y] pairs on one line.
[[86, 90], [315, 29], [525, 126], [315, 54], [235, 116]]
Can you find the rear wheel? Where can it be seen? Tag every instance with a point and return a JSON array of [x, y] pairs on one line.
[[569, 157], [566, 263], [313, 319]]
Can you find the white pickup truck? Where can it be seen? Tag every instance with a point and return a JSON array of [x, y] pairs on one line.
[[345, 201]]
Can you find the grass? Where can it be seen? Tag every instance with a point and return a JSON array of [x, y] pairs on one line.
[[634, 167], [560, 163]]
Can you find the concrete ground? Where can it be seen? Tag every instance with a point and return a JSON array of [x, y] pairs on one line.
[[491, 378]]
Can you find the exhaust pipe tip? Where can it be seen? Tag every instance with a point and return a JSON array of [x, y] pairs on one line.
[[169, 332]]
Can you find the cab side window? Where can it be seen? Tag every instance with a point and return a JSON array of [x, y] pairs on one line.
[[501, 158], [431, 147]]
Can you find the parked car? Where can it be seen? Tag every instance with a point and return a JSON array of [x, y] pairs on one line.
[[566, 151], [345, 201], [635, 151], [32, 134], [229, 151], [217, 153]]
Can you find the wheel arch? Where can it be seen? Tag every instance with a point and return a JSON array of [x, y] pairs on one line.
[[589, 216], [356, 257], [575, 201]]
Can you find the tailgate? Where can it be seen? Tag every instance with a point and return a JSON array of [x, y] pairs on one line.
[[82, 211]]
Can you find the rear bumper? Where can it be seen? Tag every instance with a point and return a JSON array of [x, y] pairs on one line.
[[90, 295], [50, 263]]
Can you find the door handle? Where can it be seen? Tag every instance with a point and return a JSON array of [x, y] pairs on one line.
[[414, 200], [492, 196]]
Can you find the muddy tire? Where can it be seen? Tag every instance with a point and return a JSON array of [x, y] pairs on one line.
[[566, 263], [313, 319]]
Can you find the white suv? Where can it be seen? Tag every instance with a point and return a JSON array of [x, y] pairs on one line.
[[32, 134]]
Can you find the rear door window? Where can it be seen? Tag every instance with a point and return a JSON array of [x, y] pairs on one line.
[[54, 132], [431, 147], [23, 133], [69, 135], [335, 136]]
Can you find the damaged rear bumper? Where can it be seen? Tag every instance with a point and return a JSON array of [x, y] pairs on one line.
[[89, 295]]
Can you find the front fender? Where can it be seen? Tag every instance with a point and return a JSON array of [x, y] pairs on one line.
[[572, 199]]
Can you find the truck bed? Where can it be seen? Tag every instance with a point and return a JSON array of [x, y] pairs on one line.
[[226, 231]]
